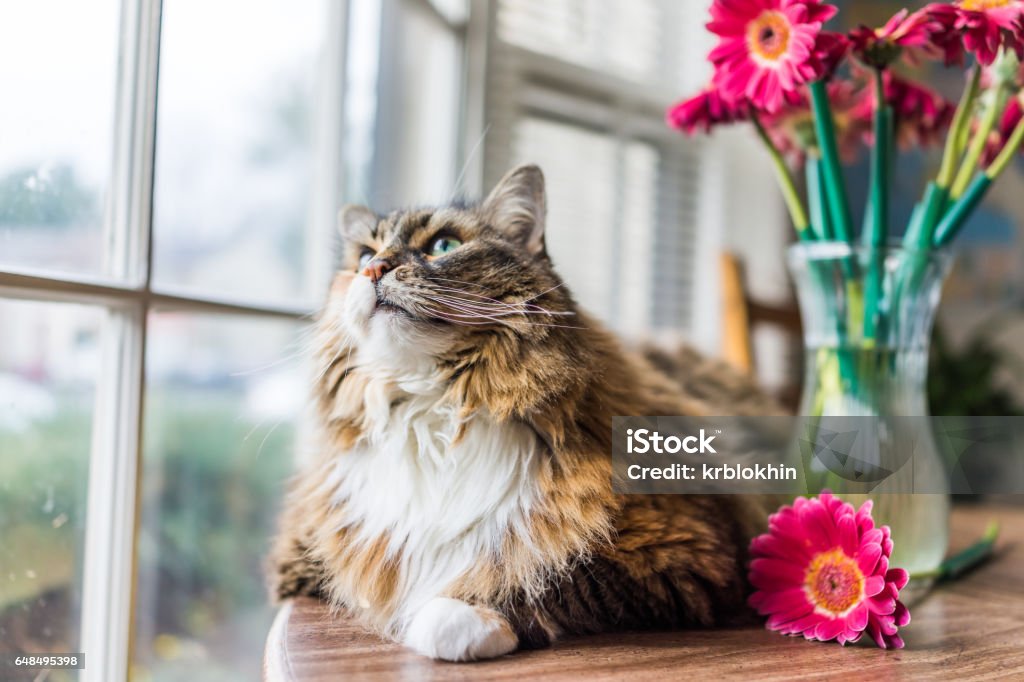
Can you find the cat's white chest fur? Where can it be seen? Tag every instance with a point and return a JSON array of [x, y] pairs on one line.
[[443, 505]]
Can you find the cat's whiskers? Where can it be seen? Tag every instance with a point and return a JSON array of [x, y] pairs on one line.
[[465, 317], [331, 363], [302, 342], [518, 305], [492, 312], [479, 286]]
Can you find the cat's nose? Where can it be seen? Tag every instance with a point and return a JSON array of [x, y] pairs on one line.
[[376, 268]]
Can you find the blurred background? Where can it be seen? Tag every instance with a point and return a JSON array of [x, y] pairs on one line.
[[169, 177]]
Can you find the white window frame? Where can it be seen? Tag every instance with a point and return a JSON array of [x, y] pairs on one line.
[[625, 110], [127, 294]]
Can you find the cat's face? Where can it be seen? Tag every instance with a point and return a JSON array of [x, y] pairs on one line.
[[438, 279]]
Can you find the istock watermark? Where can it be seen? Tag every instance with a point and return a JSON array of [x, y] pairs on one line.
[[802, 455], [642, 441]]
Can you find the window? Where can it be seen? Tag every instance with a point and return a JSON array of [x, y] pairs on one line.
[[234, 176], [166, 232], [223, 397], [56, 129], [163, 241], [580, 87], [48, 377], [157, 266]]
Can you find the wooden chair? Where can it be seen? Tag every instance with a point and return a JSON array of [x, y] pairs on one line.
[[742, 314]]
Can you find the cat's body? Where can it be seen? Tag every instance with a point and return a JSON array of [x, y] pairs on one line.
[[461, 499]]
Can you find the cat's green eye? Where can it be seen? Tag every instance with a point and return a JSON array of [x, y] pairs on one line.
[[443, 245]]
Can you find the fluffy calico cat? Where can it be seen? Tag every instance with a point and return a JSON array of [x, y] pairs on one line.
[[461, 500]]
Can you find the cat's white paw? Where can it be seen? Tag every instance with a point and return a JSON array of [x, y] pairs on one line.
[[452, 630]]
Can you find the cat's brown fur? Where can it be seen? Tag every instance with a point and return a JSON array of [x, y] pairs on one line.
[[592, 560]]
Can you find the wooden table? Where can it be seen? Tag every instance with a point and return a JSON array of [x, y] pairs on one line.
[[972, 629]]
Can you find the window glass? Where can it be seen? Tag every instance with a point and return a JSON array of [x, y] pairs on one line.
[[222, 398], [580, 169], [419, 116], [621, 37], [238, 95], [58, 69], [49, 363]]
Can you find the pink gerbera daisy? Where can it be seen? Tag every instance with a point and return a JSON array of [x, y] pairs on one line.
[[704, 110], [912, 36], [986, 25], [767, 48], [822, 570]]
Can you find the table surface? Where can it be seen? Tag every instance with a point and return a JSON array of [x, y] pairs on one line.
[[971, 629]]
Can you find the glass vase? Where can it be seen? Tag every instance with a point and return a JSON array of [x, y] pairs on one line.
[[867, 317]]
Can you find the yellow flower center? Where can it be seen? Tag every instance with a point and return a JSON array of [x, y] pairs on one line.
[[834, 582], [768, 36], [982, 5]]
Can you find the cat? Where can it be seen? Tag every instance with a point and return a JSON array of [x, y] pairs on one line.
[[460, 501]]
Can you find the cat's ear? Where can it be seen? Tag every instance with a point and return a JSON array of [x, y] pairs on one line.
[[517, 206], [357, 223]]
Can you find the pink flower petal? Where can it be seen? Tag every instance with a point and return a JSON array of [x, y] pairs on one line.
[[829, 629], [902, 614], [780, 572], [857, 620], [846, 528], [881, 606], [802, 625], [784, 600], [867, 558], [897, 576], [784, 619]]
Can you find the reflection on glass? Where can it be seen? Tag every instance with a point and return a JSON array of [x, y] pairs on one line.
[[222, 398], [49, 362], [58, 65], [234, 152]]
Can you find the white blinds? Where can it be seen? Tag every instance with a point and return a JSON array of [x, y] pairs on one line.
[[615, 35], [580, 87]]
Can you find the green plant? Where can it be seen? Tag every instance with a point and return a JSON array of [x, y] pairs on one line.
[[965, 380]]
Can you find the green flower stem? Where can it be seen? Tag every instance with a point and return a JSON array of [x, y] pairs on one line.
[[957, 216], [999, 98], [960, 563], [919, 233], [786, 183], [1007, 153], [876, 217], [824, 126], [820, 223], [872, 296], [956, 137]]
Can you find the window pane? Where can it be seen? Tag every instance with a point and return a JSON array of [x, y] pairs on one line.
[[622, 37], [58, 66], [580, 167], [221, 404], [234, 157], [419, 117], [49, 362]]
